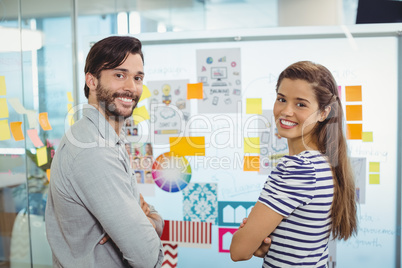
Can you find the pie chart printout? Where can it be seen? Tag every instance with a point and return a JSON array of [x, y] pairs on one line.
[[171, 172]]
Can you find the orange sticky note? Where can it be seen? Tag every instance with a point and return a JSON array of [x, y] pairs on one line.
[[374, 178], [33, 136], [44, 121], [4, 130], [3, 89], [254, 106], [16, 130], [354, 112], [252, 145], [353, 93], [354, 131], [194, 91], [140, 114], [187, 145], [48, 174], [3, 108], [251, 163], [41, 156]]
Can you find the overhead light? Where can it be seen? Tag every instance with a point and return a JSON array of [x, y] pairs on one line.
[[11, 39]]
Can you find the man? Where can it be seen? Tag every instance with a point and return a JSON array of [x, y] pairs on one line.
[[93, 194]]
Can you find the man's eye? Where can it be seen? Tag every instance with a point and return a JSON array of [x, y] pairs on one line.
[[120, 75], [139, 78]]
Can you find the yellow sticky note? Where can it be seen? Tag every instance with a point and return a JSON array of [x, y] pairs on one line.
[[251, 163], [44, 121], [70, 119], [3, 108], [367, 136], [4, 130], [70, 97], [41, 156], [70, 108], [252, 145], [374, 178], [187, 145], [33, 135], [374, 167], [145, 93], [194, 91], [353, 93], [354, 131], [48, 174], [16, 130], [3, 89], [354, 112], [140, 114], [254, 106]]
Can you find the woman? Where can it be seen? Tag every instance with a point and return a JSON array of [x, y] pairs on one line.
[[311, 193]]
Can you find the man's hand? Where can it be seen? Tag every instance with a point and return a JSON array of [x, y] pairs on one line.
[[144, 206], [265, 244], [104, 239]]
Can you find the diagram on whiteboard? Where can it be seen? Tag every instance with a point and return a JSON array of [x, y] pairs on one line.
[[220, 72]]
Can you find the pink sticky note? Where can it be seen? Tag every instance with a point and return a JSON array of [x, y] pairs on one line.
[[33, 135]]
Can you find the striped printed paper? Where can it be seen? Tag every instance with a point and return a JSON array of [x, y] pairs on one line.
[[188, 233]]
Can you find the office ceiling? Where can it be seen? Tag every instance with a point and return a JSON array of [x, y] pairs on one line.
[[213, 14]]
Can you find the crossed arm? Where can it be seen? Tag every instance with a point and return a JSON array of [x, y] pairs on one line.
[[152, 216], [252, 238]]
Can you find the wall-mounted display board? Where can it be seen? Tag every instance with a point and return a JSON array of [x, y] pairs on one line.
[[228, 154]]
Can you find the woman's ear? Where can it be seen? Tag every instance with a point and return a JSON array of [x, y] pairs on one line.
[[325, 113]]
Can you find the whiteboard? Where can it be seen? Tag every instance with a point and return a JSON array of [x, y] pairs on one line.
[[369, 60]]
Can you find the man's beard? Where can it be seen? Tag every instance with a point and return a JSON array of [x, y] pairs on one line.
[[106, 101]]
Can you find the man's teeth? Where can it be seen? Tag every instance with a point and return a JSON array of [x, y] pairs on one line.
[[125, 99], [287, 123]]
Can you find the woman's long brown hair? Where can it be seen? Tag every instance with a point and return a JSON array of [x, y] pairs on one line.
[[331, 142]]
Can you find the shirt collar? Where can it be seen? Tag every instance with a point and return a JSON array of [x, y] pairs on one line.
[[105, 129]]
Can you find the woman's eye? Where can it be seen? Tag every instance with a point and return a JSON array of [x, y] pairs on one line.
[[281, 99], [301, 105]]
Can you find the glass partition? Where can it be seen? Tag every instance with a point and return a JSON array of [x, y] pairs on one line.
[[42, 52]]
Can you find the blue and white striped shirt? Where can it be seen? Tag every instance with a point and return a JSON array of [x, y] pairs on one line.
[[301, 189]]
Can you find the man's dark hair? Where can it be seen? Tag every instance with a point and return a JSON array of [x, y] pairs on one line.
[[109, 53]]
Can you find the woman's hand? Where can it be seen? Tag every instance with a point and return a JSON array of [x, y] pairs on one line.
[[265, 245]]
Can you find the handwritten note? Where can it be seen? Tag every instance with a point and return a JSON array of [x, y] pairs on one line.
[[44, 121]]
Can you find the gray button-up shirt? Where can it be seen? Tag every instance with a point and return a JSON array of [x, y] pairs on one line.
[[92, 193]]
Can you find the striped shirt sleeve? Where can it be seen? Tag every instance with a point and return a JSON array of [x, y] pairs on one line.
[[290, 185]]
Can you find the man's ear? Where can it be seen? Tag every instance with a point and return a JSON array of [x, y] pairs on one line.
[[325, 113], [91, 81]]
